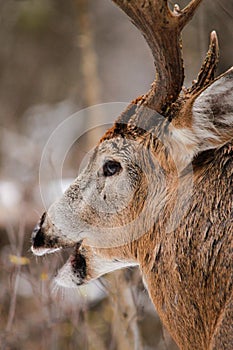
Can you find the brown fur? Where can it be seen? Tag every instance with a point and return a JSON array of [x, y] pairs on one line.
[[177, 167], [189, 271]]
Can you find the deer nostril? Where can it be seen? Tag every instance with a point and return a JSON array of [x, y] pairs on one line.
[[37, 237], [37, 234], [42, 219], [34, 232]]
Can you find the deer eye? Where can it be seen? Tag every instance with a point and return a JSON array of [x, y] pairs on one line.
[[111, 167]]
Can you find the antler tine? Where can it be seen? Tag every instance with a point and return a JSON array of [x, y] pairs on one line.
[[161, 28], [188, 12], [206, 74]]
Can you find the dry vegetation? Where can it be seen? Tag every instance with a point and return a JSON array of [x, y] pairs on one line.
[[57, 57]]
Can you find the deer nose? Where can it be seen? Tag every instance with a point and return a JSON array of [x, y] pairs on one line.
[[38, 236]]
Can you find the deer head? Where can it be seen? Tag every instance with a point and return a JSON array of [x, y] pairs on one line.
[[157, 191]]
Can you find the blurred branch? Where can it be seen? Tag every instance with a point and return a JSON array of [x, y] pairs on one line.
[[89, 70], [18, 248], [126, 333]]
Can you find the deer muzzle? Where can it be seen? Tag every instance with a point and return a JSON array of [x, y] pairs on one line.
[[46, 238], [37, 237]]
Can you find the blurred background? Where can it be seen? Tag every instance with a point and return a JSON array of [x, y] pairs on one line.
[[57, 58]]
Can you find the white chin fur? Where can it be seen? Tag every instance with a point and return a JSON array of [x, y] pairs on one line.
[[65, 277], [43, 251], [100, 266]]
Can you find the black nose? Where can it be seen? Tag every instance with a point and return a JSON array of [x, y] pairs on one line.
[[38, 237]]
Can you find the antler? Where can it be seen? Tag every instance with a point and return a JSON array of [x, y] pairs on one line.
[[161, 28], [209, 66]]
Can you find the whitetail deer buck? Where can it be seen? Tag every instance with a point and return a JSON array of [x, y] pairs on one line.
[[158, 190]]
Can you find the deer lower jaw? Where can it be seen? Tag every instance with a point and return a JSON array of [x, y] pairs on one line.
[[83, 265], [71, 274], [77, 271]]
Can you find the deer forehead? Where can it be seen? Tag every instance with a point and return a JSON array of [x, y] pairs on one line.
[[117, 146]]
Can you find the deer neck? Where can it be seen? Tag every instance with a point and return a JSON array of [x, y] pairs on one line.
[[181, 268]]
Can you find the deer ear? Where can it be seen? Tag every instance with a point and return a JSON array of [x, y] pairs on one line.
[[211, 119], [213, 113]]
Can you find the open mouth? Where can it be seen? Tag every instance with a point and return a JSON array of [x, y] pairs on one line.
[[78, 266], [70, 264], [74, 272]]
